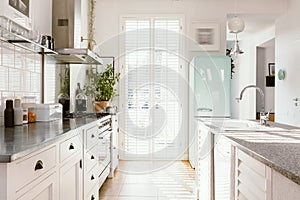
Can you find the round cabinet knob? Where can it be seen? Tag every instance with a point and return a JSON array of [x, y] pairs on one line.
[[92, 197], [92, 157], [39, 165], [92, 177]]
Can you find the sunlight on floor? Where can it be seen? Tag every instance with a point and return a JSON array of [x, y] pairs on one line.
[[174, 181]]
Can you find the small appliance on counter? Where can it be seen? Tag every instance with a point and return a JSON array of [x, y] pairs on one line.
[[49, 112]]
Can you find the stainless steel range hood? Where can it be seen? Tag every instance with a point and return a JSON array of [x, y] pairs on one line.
[[66, 30], [76, 56]]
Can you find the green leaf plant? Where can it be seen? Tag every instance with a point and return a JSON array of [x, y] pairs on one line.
[[102, 85]]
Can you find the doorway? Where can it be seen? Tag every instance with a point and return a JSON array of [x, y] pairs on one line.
[[265, 77]]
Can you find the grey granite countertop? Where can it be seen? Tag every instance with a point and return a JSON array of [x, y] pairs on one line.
[[283, 157], [278, 149], [19, 141]]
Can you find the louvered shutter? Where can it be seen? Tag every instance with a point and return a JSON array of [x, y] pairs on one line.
[[151, 108]]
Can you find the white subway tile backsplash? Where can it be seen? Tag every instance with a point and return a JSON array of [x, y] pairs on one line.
[[35, 82], [19, 61], [30, 62], [15, 77], [26, 81], [20, 72], [38, 63], [8, 57], [3, 78]]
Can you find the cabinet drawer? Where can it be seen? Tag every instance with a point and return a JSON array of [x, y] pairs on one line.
[[91, 179], [91, 158], [93, 195], [91, 137], [34, 167], [69, 147]]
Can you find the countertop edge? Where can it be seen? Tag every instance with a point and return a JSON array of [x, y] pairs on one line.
[[287, 174], [8, 158]]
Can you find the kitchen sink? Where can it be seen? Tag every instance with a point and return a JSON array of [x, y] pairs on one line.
[[239, 125]]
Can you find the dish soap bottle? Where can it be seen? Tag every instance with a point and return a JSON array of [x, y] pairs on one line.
[[9, 114], [18, 113]]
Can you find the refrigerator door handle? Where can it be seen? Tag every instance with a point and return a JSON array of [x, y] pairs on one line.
[[205, 109]]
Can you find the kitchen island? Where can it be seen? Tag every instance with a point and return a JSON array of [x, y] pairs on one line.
[[249, 155]]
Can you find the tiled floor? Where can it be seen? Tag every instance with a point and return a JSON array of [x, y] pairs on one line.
[[150, 180]]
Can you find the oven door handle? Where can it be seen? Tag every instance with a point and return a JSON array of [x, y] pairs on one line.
[[106, 134]]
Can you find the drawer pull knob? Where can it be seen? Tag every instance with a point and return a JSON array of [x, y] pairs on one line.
[[92, 177], [39, 165], [93, 136], [92, 198], [71, 147], [92, 157]]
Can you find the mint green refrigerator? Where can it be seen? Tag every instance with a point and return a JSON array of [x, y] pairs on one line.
[[209, 93]]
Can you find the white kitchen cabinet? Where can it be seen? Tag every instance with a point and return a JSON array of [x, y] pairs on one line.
[[70, 173], [253, 179], [284, 188], [114, 155], [90, 157], [204, 162], [222, 167], [32, 177], [46, 189]]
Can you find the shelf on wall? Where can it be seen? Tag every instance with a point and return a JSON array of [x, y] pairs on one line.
[[66, 56], [23, 42]]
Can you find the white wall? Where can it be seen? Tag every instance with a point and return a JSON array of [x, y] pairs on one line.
[[287, 57], [246, 74], [108, 13]]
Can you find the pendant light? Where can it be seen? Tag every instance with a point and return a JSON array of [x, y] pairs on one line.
[[236, 50], [235, 26]]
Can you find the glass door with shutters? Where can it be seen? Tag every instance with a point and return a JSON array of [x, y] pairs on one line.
[[151, 106]]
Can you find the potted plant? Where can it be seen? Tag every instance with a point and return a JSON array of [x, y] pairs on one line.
[[101, 87]]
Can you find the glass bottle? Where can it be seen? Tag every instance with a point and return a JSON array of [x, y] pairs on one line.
[[18, 113], [64, 99], [9, 114], [81, 102]]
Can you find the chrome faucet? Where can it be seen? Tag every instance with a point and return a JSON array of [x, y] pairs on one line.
[[264, 117]]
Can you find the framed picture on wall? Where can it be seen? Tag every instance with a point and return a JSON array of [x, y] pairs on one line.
[[205, 35], [271, 67]]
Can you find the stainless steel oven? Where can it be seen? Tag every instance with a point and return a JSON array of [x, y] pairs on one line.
[[104, 144]]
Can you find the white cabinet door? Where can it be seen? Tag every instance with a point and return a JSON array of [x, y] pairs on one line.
[[70, 170], [114, 154], [45, 190], [253, 178], [284, 188], [222, 167], [204, 163], [71, 180]]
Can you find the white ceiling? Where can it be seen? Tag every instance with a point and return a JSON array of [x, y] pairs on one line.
[[253, 23]]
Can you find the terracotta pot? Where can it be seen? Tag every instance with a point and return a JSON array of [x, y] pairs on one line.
[[100, 106]]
